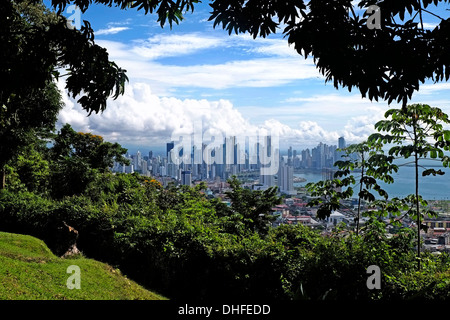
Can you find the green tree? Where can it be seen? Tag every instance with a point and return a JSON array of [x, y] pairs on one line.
[[374, 166], [376, 61], [253, 208], [33, 170], [366, 159], [23, 118], [91, 148], [77, 156], [328, 194], [35, 45], [416, 131]]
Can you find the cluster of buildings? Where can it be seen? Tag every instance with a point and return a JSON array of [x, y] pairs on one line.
[[238, 162], [234, 160], [435, 239], [437, 236], [319, 157], [294, 209]]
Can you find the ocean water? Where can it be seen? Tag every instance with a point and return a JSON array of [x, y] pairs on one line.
[[430, 187]]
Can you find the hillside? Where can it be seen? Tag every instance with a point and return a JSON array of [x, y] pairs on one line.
[[30, 271]]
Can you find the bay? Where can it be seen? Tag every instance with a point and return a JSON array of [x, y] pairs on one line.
[[430, 187]]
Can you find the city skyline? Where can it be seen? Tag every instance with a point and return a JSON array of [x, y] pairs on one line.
[[163, 149], [185, 173]]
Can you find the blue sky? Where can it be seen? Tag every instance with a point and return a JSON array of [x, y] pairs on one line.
[[235, 83]]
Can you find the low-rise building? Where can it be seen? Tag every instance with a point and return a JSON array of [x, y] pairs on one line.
[[335, 218]]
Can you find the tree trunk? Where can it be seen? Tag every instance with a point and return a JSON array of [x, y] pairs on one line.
[[359, 198], [416, 165], [3, 173], [417, 209]]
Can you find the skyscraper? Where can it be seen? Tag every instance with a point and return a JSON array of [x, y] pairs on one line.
[[267, 180], [290, 156], [341, 143], [286, 178], [186, 178], [170, 146], [137, 161]]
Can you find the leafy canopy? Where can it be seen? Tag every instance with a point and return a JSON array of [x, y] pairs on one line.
[[37, 45], [76, 157]]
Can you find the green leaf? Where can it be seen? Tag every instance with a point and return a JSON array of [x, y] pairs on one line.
[[433, 154], [447, 135]]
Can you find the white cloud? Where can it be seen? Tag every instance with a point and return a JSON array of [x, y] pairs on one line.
[[110, 30], [141, 117], [262, 72], [428, 89], [172, 45], [263, 46], [72, 113], [338, 107], [310, 133], [267, 63], [428, 25]]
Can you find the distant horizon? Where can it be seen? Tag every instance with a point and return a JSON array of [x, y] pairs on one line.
[[161, 149]]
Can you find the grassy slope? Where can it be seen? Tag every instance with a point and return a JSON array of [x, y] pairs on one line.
[[30, 271]]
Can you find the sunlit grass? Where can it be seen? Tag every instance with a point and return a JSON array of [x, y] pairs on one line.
[[30, 271]]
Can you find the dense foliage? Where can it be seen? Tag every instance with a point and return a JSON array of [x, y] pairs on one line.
[[178, 242], [36, 45]]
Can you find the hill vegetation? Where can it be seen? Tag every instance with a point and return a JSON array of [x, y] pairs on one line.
[[179, 243], [30, 271]]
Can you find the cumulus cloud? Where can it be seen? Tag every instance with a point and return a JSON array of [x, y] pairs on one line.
[[71, 113], [142, 118]]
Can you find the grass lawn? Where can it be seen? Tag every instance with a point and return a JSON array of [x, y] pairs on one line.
[[30, 271]]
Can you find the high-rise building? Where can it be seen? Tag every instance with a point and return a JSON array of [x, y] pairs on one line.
[[290, 156], [170, 146], [137, 161], [171, 170], [306, 159], [286, 179], [129, 169], [341, 143], [144, 168], [186, 178], [155, 168], [267, 180], [229, 150]]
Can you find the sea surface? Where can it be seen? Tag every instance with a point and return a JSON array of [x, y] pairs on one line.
[[430, 187]]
